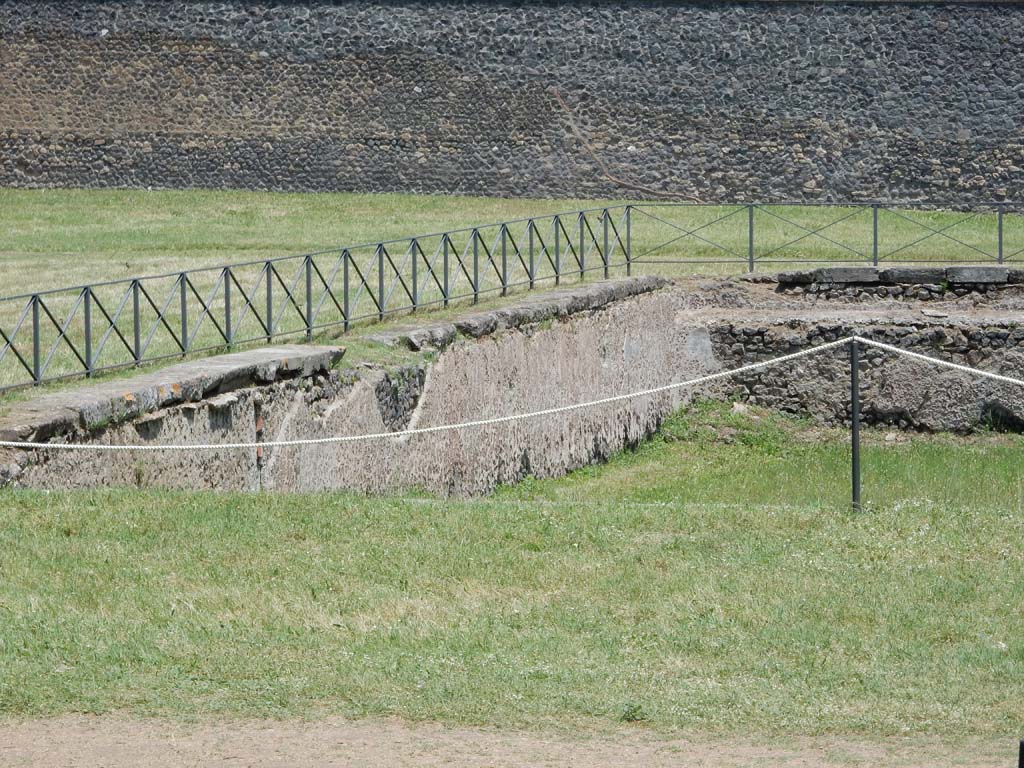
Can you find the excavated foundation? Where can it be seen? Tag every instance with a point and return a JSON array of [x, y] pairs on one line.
[[542, 351]]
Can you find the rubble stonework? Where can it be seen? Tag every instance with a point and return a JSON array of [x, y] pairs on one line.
[[625, 98], [548, 349]]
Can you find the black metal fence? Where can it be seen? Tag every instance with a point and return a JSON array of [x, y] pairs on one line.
[[80, 331], [749, 234]]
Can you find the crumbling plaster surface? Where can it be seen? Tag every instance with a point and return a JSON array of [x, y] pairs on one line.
[[549, 350]]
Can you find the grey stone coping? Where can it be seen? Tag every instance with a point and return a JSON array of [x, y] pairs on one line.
[[114, 401], [913, 275], [533, 309]]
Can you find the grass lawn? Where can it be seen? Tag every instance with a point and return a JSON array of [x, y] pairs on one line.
[[53, 238], [711, 581]]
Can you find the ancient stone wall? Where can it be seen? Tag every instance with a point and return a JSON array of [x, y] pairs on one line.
[[620, 98], [556, 349], [542, 351]]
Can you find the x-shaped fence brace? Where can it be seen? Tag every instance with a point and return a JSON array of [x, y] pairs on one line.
[[202, 315], [394, 276]]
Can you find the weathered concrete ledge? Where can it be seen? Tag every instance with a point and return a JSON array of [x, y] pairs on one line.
[[113, 402], [538, 308]]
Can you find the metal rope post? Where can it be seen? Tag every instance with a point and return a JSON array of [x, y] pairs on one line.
[[855, 422]]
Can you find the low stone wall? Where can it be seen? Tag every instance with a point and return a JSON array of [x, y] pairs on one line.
[[556, 349], [912, 283], [894, 390], [545, 350]]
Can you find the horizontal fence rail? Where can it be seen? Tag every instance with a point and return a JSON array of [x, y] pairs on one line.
[[70, 332]]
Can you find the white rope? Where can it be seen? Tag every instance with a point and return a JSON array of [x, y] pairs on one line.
[[517, 416], [439, 428], [938, 362]]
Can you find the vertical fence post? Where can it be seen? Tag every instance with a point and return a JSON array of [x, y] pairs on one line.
[[504, 260], [558, 250], [999, 220], [309, 298], [874, 234], [583, 252], [444, 282], [380, 281], [37, 374], [268, 273], [604, 250], [345, 257], [476, 266], [533, 264], [415, 275], [88, 331], [229, 335], [136, 328], [855, 422], [183, 288], [750, 238], [629, 240]]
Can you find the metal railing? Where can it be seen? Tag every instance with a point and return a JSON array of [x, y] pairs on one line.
[[81, 331], [874, 233]]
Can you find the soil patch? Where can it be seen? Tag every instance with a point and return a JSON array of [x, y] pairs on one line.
[[112, 742]]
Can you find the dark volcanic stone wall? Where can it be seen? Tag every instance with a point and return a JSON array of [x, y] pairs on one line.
[[716, 100]]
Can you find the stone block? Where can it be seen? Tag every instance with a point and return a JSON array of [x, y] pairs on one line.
[[912, 275], [796, 277], [1015, 276], [846, 275], [973, 275]]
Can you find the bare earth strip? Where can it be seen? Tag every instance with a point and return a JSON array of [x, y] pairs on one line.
[[113, 742]]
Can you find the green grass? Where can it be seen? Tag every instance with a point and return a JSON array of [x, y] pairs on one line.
[[711, 581], [50, 238], [56, 238]]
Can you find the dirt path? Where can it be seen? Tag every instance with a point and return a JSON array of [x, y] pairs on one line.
[[112, 742]]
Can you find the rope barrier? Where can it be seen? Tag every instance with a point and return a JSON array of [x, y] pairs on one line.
[[518, 416], [938, 362]]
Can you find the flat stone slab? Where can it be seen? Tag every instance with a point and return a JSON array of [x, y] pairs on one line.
[[118, 400], [796, 277], [913, 275], [846, 275], [986, 274], [532, 309]]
